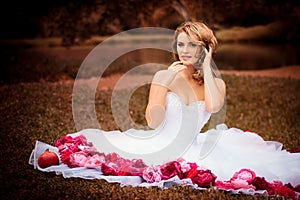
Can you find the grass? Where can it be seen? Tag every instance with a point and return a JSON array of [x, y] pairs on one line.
[[43, 111]]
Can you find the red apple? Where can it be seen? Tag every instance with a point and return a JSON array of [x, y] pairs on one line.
[[47, 159]]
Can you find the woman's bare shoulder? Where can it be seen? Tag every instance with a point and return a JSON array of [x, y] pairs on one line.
[[161, 72], [164, 74]]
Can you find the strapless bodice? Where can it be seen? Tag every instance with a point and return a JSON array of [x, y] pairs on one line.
[[178, 113]]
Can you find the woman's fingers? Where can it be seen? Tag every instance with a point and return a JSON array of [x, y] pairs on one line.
[[210, 51], [175, 63], [205, 50], [177, 66], [180, 67], [207, 59]]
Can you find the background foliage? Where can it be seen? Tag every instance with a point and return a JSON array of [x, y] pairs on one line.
[[84, 18]]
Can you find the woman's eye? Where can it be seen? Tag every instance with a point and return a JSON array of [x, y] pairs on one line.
[[180, 44], [193, 45]]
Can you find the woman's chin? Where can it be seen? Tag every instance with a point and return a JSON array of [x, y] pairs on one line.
[[184, 62], [187, 63]]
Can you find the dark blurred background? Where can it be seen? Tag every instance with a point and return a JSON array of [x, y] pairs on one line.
[[257, 26], [82, 18]]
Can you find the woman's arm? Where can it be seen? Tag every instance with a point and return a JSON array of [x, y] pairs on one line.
[[214, 88], [155, 111]]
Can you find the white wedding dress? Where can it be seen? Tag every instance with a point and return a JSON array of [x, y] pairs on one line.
[[224, 151]]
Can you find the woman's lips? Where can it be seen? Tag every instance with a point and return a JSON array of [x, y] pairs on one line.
[[185, 57]]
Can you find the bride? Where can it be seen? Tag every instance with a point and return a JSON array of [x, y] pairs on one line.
[[181, 101]]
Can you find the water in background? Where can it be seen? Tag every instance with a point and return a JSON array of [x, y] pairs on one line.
[[35, 63], [229, 56], [247, 56]]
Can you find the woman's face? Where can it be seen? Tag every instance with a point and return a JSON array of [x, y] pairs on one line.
[[188, 52]]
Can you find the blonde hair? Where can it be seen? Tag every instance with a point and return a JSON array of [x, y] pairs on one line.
[[199, 34]]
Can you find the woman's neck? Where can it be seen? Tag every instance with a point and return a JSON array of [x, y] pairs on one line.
[[191, 69], [188, 73]]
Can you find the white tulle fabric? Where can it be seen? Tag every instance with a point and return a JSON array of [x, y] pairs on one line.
[[224, 151]]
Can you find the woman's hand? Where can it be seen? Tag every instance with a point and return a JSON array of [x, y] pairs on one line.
[[207, 59], [177, 66], [166, 77], [214, 88]]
